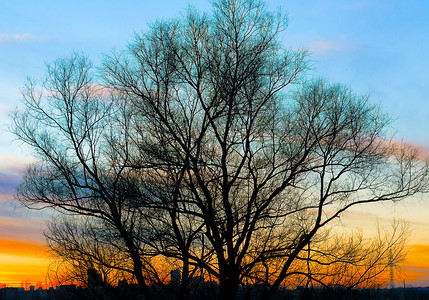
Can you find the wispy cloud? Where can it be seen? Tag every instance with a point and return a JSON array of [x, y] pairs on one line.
[[24, 229], [421, 152], [8, 39], [8, 185], [14, 165], [5, 109], [340, 44], [20, 248], [11, 171]]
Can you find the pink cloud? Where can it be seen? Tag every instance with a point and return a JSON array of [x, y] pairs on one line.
[[7, 39], [11, 171], [21, 228], [5, 109], [22, 37], [325, 46], [421, 151], [15, 165], [341, 44]]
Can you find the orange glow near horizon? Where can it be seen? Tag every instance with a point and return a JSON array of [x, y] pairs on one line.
[[415, 269], [23, 263]]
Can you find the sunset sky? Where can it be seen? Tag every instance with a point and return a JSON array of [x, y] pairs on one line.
[[379, 47]]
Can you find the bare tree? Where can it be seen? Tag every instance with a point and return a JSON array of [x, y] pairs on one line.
[[262, 169], [73, 127], [204, 153], [79, 246], [351, 261]]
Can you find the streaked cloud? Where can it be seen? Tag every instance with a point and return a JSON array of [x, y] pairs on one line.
[[339, 45], [421, 152], [418, 256], [415, 269], [8, 184], [24, 229], [4, 109], [18, 269], [8, 39], [11, 170], [421, 249], [21, 248]]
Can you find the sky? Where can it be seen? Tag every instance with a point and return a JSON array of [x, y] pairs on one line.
[[378, 47]]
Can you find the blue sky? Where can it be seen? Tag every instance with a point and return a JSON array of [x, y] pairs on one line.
[[377, 47], [380, 47]]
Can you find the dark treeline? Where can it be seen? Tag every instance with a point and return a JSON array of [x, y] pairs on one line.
[[209, 291]]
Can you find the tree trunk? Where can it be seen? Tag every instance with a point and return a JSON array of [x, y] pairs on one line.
[[184, 282], [138, 272], [228, 287], [137, 262]]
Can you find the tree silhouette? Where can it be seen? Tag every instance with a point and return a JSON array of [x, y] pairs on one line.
[[69, 124], [207, 146]]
